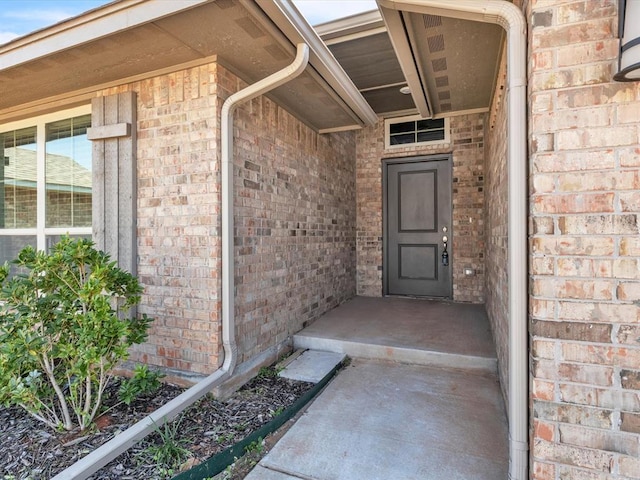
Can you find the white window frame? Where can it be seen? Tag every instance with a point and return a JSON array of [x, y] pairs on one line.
[[413, 118], [40, 231]]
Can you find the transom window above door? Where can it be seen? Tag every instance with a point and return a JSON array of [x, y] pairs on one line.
[[45, 180], [415, 130]]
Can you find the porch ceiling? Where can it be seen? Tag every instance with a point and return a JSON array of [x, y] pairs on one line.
[[130, 38], [450, 65], [362, 46]]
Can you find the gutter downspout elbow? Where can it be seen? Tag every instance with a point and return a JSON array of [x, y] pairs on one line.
[[226, 134]]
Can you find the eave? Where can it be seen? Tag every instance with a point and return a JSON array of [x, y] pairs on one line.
[[133, 38]]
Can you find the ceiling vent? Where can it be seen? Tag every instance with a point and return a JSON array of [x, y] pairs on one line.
[[431, 21]]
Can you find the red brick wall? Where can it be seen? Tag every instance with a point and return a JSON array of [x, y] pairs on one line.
[[467, 136], [178, 218], [295, 218], [467, 145], [496, 227], [585, 289]]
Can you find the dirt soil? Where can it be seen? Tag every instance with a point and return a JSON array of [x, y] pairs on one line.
[[30, 450]]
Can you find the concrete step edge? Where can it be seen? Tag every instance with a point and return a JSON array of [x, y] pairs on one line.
[[397, 354]]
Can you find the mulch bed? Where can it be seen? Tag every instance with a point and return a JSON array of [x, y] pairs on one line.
[[30, 450]]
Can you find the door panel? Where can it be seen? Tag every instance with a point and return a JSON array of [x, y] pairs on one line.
[[417, 261], [411, 214], [417, 209]]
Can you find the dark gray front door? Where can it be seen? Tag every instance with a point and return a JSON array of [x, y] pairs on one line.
[[417, 217]]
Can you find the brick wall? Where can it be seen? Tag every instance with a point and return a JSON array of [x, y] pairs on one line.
[[496, 226], [467, 136], [467, 145], [585, 289], [178, 218], [295, 218], [295, 214]]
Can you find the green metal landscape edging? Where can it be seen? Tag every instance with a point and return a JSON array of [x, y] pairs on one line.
[[222, 460]]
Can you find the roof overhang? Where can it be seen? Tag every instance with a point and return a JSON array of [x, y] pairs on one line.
[[363, 48], [450, 64], [129, 40]]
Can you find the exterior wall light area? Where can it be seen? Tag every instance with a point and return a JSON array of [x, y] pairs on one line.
[[629, 32]]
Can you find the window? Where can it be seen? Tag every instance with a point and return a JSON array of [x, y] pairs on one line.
[[414, 130], [45, 180]]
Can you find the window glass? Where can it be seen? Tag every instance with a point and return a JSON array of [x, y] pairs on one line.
[[45, 180], [416, 131], [68, 173], [402, 139], [430, 136], [10, 247], [18, 178], [402, 127], [430, 124], [53, 239]]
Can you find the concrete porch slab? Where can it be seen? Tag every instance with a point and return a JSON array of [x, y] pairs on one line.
[[424, 332], [312, 366], [381, 420]]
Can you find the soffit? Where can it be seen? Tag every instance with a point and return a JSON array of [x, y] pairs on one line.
[[450, 64], [362, 46], [359, 55], [458, 60], [223, 29]]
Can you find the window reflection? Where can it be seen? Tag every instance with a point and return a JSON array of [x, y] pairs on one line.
[[68, 173], [18, 178], [45, 181]]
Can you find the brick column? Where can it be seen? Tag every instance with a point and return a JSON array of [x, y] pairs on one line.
[[585, 248]]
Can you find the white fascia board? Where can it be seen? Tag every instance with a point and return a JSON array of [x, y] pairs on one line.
[[95, 24], [351, 28], [332, 40], [294, 26], [361, 21]]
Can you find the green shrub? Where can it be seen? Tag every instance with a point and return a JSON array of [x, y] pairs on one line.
[[63, 327], [143, 381]]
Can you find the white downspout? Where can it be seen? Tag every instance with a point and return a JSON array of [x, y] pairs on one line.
[[120, 443], [226, 133], [512, 20]]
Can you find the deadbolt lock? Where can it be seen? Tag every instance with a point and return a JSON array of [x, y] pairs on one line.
[[445, 254]]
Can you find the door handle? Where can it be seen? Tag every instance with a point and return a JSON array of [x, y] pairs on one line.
[[445, 254]]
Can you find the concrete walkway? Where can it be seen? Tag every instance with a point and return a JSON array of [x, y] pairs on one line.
[[385, 420]]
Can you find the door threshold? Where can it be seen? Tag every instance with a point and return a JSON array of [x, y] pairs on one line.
[[421, 297]]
